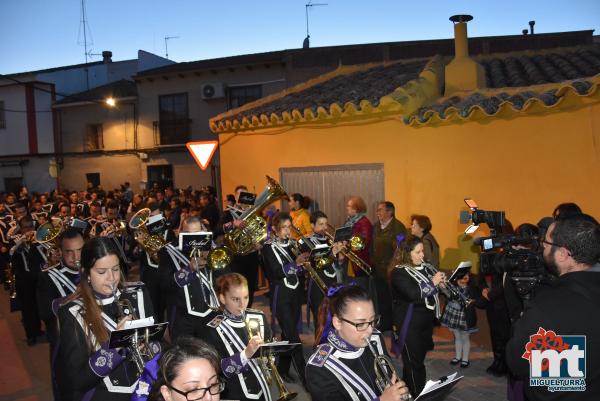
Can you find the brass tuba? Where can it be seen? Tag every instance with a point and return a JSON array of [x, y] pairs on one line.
[[267, 364], [47, 236], [151, 243], [254, 230]]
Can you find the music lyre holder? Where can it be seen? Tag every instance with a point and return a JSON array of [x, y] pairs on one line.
[[275, 349], [133, 336]]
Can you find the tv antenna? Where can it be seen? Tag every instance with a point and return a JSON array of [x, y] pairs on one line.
[[306, 43], [167, 38], [84, 24]]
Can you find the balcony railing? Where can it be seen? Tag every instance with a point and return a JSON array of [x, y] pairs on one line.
[[171, 132]]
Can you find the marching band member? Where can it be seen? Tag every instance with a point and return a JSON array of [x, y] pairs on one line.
[[281, 266], [112, 228], [26, 270], [187, 371], [300, 217], [328, 274], [86, 368], [190, 284], [59, 281], [343, 366], [246, 265], [149, 272], [416, 305], [229, 335]]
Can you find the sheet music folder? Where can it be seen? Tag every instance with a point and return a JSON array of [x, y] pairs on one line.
[[460, 269], [122, 338], [437, 390], [275, 348]]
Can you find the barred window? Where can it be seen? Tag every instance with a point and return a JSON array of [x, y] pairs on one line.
[[94, 139], [240, 95]]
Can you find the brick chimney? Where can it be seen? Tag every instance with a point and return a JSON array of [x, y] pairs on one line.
[[463, 73]]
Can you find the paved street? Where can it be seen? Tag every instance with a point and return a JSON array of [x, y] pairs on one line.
[[24, 371]]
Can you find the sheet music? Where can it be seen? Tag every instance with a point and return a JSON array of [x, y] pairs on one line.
[[136, 324], [433, 385]]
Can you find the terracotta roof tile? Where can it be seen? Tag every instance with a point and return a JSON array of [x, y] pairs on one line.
[[368, 85], [527, 70]]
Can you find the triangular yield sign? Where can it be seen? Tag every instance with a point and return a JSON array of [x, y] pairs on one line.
[[202, 152]]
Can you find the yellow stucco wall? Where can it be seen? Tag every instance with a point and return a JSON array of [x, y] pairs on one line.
[[525, 166]]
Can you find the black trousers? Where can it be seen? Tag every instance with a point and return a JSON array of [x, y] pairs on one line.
[[247, 266], [419, 340], [384, 302], [152, 280], [189, 325], [26, 291], [288, 310], [499, 321]]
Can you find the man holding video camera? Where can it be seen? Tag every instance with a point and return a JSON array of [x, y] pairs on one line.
[[539, 351]]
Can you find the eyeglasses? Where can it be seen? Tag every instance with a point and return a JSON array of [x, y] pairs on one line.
[[362, 326], [199, 393], [543, 241]]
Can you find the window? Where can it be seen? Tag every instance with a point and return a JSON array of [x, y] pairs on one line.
[[93, 180], [174, 124], [2, 118], [13, 184], [94, 139], [162, 175], [240, 95]]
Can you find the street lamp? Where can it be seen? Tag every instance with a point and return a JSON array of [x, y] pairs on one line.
[[111, 102]]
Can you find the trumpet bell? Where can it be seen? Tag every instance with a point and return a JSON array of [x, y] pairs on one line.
[[357, 243], [139, 219], [47, 232], [219, 258]]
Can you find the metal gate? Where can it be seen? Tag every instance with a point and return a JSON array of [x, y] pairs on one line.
[[330, 187]]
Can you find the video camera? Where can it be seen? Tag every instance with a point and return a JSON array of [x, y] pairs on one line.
[[520, 257]]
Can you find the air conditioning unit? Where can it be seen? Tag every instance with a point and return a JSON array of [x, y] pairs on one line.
[[213, 90]]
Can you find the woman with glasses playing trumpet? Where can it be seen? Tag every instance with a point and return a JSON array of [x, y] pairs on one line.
[[229, 332], [86, 367], [351, 363], [415, 306]]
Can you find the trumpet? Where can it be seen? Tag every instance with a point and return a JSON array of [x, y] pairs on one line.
[[320, 263], [267, 364], [139, 348], [356, 244], [113, 229], [384, 368], [453, 290]]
